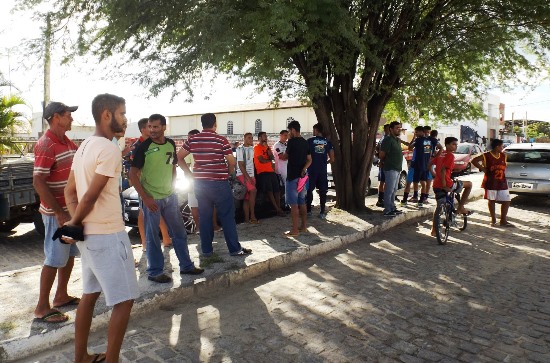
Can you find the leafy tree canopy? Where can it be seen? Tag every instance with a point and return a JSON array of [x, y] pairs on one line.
[[348, 58]]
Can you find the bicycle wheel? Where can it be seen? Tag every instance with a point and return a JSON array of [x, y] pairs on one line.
[[440, 222], [460, 221]]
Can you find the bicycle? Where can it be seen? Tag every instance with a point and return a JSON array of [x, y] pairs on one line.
[[446, 216]]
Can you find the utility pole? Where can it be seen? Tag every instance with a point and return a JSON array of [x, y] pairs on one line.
[[47, 66]]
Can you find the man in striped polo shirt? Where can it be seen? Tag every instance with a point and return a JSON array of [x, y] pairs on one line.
[[214, 161], [53, 157]]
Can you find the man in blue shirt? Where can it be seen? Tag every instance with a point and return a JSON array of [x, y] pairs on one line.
[[322, 153]]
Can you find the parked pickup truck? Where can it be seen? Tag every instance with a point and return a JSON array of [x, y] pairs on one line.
[[19, 201]]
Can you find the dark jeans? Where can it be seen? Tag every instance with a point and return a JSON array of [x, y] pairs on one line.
[[319, 181]]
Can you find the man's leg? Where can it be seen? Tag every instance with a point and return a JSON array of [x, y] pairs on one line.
[[141, 229], [295, 214], [246, 209], [47, 277], [309, 193], [155, 257], [303, 217], [63, 276], [491, 207], [82, 324], [322, 189], [223, 198], [117, 328], [464, 197], [389, 192], [170, 212], [166, 240], [252, 203], [196, 218], [504, 212], [206, 209]]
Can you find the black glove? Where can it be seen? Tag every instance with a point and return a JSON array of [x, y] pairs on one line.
[[74, 232]]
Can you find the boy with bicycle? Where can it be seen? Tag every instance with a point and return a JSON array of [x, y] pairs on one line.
[[443, 183]]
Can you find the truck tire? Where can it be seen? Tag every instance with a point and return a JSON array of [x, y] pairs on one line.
[[7, 226], [38, 224]]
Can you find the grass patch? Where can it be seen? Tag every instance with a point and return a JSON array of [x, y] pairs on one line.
[[209, 261], [6, 327]]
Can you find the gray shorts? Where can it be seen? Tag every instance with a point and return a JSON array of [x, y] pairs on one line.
[[108, 266]]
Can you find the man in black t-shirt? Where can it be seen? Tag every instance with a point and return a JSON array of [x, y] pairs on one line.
[[299, 159]]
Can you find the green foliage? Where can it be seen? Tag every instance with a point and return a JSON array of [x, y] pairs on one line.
[[538, 130], [9, 118], [433, 59]]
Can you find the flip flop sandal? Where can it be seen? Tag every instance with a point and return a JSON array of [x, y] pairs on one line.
[[288, 234], [71, 302], [254, 221], [508, 224], [100, 357], [47, 318]]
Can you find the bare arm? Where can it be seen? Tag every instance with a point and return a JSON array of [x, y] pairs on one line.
[[86, 204], [308, 163], [231, 163], [147, 199], [39, 183], [478, 162], [71, 197], [331, 156], [443, 179], [182, 154]]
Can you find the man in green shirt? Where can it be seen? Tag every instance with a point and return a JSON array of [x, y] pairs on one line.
[[152, 174], [391, 161]]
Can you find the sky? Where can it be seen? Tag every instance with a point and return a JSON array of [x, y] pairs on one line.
[[79, 82]]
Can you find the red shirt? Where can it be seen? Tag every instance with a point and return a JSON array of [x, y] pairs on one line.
[[261, 150], [209, 150], [446, 160], [495, 177], [53, 158]]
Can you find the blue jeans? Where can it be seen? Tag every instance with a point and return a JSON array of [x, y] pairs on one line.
[[210, 194], [392, 181], [168, 208]]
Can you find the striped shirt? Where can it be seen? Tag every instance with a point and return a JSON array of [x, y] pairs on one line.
[[209, 150], [53, 159]]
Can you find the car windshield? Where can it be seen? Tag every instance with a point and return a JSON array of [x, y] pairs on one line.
[[533, 156], [463, 149]]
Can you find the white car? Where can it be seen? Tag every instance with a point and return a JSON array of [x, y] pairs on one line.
[[373, 181]]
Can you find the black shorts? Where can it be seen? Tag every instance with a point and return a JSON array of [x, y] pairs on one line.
[[420, 175], [267, 182]]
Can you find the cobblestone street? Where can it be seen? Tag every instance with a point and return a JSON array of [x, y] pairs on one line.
[[483, 297]]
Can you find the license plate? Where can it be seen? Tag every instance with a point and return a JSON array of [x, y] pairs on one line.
[[522, 186]]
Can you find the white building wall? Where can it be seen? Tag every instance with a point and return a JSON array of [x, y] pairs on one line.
[[273, 120]]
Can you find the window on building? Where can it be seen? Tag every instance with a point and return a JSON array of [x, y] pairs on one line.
[[257, 126], [229, 127], [289, 120]]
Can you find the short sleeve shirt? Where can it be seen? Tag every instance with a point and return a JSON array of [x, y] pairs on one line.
[[423, 153], [446, 160], [209, 150], [394, 154], [246, 155], [319, 148], [156, 162], [53, 159], [280, 165], [261, 150], [297, 150], [98, 155]]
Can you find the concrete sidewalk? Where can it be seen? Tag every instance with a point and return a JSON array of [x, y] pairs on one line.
[[22, 337]]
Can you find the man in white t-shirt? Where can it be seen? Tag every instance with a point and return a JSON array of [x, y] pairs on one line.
[[94, 203], [281, 160], [245, 174]]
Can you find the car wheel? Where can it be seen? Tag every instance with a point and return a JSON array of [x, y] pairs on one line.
[[402, 180], [7, 226], [188, 221]]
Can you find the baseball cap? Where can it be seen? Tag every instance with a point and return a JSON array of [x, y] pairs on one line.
[[57, 107]]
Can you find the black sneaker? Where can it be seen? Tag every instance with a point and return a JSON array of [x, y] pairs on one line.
[[397, 211], [242, 252], [193, 271], [161, 279], [380, 203], [390, 214]]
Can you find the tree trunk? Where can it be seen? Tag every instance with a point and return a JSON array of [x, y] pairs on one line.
[[352, 127]]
